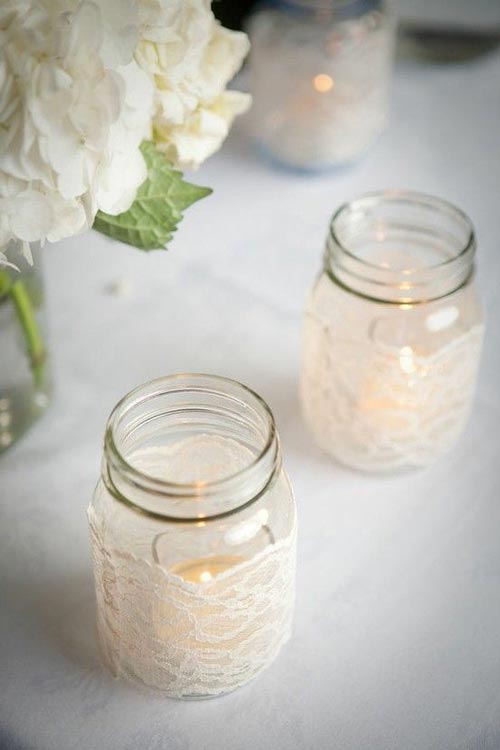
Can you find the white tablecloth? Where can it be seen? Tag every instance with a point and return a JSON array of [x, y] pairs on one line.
[[397, 630]]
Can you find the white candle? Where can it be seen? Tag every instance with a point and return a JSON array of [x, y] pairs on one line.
[[205, 569]]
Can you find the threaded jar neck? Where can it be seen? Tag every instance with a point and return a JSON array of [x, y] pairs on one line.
[[400, 247], [224, 433]]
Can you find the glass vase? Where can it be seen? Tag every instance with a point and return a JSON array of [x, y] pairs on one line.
[[24, 367]]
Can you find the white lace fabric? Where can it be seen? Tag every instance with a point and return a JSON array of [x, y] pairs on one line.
[[365, 410], [192, 639]]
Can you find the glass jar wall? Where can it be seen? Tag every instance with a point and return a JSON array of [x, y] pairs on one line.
[[320, 72], [193, 528], [393, 333]]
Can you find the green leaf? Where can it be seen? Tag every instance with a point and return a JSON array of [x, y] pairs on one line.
[[153, 217]]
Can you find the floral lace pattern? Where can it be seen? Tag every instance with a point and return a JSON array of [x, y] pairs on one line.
[[192, 639], [373, 409]]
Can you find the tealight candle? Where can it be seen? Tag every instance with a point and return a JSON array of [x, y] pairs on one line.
[[320, 72], [193, 532], [205, 569], [393, 333]]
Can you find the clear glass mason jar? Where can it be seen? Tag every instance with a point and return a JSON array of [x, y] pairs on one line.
[[393, 332], [24, 365], [320, 73], [193, 530]]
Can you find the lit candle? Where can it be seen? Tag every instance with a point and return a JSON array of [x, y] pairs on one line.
[[381, 410], [205, 569]]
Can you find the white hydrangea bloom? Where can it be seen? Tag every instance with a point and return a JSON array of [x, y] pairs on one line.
[[190, 58], [74, 108], [82, 83]]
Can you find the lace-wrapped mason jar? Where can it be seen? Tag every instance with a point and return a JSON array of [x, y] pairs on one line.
[[193, 530], [320, 72], [393, 332]]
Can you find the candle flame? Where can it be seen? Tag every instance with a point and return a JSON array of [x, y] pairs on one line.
[[406, 360], [263, 516], [323, 83]]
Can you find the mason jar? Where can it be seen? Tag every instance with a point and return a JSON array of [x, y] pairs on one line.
[[393, 332], [193, 530], [320, 73]]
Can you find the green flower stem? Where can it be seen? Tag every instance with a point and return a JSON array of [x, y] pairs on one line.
[[23, 305]]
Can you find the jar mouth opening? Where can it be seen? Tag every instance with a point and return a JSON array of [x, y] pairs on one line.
[[184, 398], [400, 246], [410, 199]]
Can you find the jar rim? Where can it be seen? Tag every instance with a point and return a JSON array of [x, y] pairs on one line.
[[452, 272], [410, 197], [266, 461]]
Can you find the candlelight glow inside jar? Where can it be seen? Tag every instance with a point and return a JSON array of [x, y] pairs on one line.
[[320, 72], [193, 532], [393, 332]]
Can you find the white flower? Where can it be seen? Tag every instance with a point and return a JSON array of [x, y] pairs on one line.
[[190, 58], [82, 83], [202, 132], [74, 108]]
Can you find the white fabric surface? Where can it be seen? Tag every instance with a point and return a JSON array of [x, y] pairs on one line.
[[397, 628]]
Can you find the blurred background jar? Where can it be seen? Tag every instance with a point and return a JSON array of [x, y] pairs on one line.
[[393, 332], [319, 75]]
